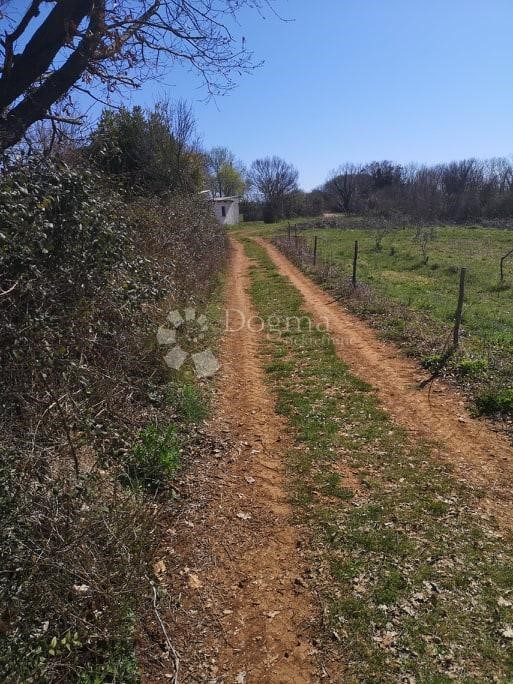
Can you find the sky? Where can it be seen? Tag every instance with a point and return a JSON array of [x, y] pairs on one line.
[[358, 80]]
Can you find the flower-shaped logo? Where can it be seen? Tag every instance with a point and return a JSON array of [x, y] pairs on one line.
[[190, 330]]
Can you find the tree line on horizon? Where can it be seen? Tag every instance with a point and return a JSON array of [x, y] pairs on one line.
[[157, 151], [457, 191]]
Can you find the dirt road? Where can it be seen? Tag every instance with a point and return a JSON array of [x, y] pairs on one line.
[[234, 565], [245, 611], [479, 455]]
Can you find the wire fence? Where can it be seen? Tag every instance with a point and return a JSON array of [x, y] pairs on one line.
[[317, 253]]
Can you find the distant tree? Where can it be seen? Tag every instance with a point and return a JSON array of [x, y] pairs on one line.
[[251, 210], [315, 203], [423, 197], [457, 177], [384, 174], [230, 181], [342, 186], [56, 50], [184, 154], [218, 157], [300, 203], [273, 179], [466, 190], [226, 174]]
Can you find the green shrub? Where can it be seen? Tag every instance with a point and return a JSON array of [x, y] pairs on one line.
[[58, 223], [74, 561], [154, 458], [471, 366], [494, 402], [431, 362], [145, 150], [78, 377], [188, 401]]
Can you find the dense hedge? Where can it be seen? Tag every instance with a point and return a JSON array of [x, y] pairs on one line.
[[83, 273]]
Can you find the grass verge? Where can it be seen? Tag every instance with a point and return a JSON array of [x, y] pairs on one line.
[[416, 586]]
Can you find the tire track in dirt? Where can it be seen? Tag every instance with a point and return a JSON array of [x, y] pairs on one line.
[[271, 614], [245, 614], [479, 455]]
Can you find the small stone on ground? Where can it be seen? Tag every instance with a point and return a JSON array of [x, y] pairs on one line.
[[175, 318]]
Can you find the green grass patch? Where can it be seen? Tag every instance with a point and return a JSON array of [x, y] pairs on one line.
[[495, 402], [189, 400], [154, 458], [416, 585]]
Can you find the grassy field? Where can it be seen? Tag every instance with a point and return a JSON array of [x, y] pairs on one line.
[[397, 271], [414, 585], [413, 302]]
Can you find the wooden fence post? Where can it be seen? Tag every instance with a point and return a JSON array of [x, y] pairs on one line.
[[459, 309], [288, 227], [502, 264], [315, 250], [355, 262]]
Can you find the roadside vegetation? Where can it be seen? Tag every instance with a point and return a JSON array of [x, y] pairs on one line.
[[408, 289], [102, 233], [415, 584], [94, 426]]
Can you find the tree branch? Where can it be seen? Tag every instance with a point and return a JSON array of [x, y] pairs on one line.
[[42, 48], [36, 105], [64, 119], [11, 38]]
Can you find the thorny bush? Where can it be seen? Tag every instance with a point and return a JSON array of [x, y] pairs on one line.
[[83, 282]]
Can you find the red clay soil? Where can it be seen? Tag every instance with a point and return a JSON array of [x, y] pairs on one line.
[[479, 455], [244, 613]]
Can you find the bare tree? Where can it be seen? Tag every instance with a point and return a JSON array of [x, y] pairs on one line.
[[384, 174], [342, 186], [466, 190], [273, 179], [424, 235], [83, 45], [181, 123], [383, 227]]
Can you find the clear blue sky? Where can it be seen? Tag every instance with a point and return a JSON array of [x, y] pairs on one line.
[[356, 80]]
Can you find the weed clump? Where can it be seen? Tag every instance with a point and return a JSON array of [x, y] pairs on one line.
[[471, 366], [154, 458], [188, 401], [499, 402]]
